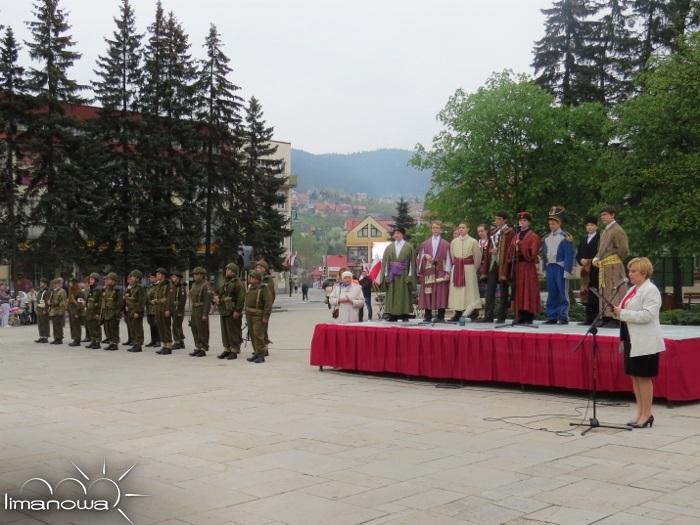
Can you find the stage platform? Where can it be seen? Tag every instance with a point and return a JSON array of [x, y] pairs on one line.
[[541, 355]]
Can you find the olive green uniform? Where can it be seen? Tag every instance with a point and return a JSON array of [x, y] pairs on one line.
[[134, 307], [76, 314], [258, 307], [151, 314], [201, 302], [43, 297], [232, 300], [57, 312], [93, 309], [111, 312], [178, 314], [163, 301], [269, 282]]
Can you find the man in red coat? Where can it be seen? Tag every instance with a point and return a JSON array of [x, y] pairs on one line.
[[433, 267], [523, 254]]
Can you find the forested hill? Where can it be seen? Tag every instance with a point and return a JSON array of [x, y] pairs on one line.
[[382, 172]]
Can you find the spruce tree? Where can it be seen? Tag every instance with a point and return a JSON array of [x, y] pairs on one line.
[[170, 225], [218, 115], [14, 106], [263, 226], [403, 218], [664, 23], [117, 130], [58, 180], [562, 57], [612, 51]]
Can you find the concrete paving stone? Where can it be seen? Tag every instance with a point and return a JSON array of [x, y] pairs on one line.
[[419, 518], [688, 496], [591, 494], [623, 518], [669, 481], [429, 499], [484, 478], [526, 488], [388, 494], [614, 472], [304, 509], [672, 509], [523, 505], [561, 515], [334, 489], [681, 520], [488, 514], [646, 457]]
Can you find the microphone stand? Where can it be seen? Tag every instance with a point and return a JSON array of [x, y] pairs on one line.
[[593, 331]]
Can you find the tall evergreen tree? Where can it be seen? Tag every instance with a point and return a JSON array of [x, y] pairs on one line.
[[117, 129], [612, 51], [403, 217], [13, 112], [663, 23], [218, 114], [263, 226], [562, 62], [57, 168], [170, 217]]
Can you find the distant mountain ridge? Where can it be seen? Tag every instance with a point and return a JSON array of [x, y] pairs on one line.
[[379, 173]]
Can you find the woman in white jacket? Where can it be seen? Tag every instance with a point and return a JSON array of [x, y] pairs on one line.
[[640, 336], [347, 297]]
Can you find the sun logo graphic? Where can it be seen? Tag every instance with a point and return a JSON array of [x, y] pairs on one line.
[[100, 493]]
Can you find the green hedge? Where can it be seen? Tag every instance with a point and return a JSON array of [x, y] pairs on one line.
[[681, 317]]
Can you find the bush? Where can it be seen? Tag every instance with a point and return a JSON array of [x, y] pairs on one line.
[[681, 317]]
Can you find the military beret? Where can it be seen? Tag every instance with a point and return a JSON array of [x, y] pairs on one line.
[[113, 276], [233, 267], [255, 275], [162, 270], [199, 269], [136, 273], [96, 276], [263, 263]]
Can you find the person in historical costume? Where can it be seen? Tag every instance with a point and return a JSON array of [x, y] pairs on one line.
[[498, 275], [348, 298], [399, 271], [558, 257], [523, 255], [610, 261], [230, 300], [587, 249], [433, 266], [464, 284]]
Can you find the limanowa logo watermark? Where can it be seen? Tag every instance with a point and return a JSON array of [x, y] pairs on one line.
[[83, 501]]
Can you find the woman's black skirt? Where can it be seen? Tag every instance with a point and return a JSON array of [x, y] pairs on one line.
[[640, 366]]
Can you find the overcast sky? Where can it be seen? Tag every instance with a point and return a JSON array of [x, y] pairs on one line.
[[332, 75]]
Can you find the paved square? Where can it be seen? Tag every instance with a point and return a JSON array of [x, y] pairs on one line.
[[232, 442]]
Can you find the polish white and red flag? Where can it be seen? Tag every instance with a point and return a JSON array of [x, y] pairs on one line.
[[375, 270]]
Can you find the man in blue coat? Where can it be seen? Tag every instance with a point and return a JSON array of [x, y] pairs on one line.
[[558, 257]]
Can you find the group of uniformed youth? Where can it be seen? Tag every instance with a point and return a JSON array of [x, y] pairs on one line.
[[162, 303]]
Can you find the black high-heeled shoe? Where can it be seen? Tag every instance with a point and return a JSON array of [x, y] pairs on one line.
[[648, 423]]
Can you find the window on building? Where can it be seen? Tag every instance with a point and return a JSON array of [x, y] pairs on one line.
[[374, 232], [364, 231]]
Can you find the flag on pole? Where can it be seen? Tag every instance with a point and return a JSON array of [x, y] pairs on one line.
[[375, 270]]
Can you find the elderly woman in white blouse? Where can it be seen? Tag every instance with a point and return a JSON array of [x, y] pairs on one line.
[[348, 299], [640, 336]]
